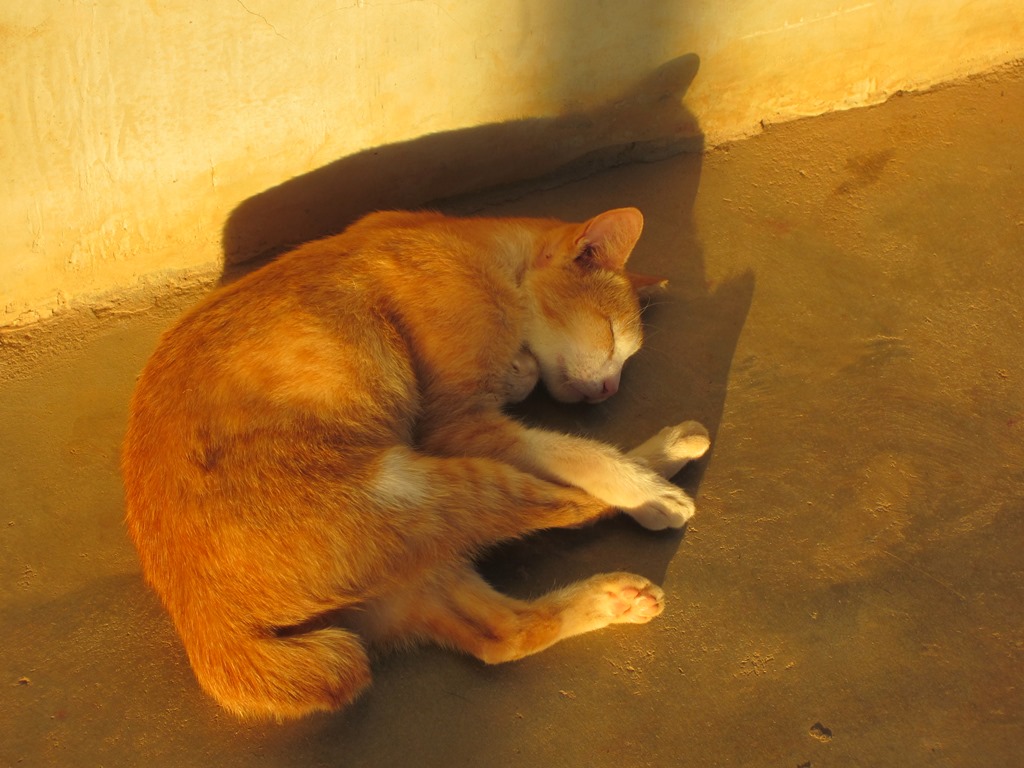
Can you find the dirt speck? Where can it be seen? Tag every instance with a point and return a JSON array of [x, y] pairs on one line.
[[28, 573], [821, 733]]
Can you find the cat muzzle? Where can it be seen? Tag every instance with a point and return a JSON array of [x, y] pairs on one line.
[[599, 390]]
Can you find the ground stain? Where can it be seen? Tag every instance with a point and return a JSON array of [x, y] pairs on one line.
[[821, 733]]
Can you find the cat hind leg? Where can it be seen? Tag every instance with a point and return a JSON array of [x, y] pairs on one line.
[[457, 608]]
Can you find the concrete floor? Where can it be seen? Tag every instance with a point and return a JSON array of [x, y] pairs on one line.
[[845, 316]]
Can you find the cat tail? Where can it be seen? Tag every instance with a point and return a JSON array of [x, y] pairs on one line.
[[281, 677]]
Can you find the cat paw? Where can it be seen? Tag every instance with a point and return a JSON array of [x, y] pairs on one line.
[[522, 377], [610, 598], [672, 447], [687, 441], [624, 598], [672, 508]]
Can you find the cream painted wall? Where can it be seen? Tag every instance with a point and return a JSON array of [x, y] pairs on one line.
[[130, 131]]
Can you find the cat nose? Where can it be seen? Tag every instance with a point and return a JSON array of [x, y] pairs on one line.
[[603, 389], [610, 386]]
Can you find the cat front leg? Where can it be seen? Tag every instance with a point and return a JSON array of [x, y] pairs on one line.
[[630, 483], [665, 453]]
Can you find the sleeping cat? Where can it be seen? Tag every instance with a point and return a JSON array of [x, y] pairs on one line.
[[316, 453]]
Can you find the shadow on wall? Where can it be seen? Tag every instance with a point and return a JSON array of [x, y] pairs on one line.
[[644, 122]]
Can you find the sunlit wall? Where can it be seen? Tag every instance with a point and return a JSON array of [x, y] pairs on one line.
[[130, 130]]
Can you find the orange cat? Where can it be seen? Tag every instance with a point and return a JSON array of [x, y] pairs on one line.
[[316, 453]]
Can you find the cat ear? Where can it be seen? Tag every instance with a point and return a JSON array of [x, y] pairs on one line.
[[647, 286], [607, 239]]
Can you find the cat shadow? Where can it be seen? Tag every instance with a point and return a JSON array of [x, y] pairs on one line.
[[645, 121], [464, 171]]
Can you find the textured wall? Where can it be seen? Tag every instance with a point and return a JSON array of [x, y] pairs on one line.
[[131, 132]]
